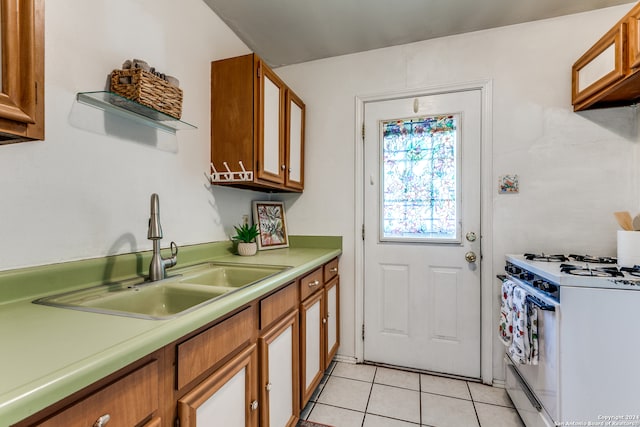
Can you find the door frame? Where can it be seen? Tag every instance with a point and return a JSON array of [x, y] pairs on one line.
[[486, 212]]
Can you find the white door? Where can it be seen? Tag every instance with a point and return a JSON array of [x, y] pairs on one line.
[[422, 231]]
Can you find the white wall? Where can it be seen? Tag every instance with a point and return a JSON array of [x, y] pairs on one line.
[[575, 169], [84, 191]]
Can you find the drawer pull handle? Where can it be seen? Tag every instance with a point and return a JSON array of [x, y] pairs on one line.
[[254, 405], [102, 421], [334, 270], [314, 283], [268, 386]]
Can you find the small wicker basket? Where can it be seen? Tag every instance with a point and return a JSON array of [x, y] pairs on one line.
[[149, 90]]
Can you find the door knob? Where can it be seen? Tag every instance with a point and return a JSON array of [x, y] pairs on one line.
[[471, 236], [470, 256]]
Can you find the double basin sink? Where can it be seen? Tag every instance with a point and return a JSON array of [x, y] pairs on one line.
[[188, 289]]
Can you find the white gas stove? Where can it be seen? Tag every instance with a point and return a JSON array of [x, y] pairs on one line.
[[577, 270], [587, 321]]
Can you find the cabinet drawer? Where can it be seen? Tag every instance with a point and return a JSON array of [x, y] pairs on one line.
[[311, 283], [127, 402], [203, 351], [330, 270], [278, 304]]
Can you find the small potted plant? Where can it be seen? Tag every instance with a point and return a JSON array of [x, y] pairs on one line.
[[246, 237]]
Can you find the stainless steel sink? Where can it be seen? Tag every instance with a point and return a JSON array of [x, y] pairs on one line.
[[192, 288]]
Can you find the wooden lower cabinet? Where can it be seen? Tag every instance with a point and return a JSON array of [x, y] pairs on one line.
[[319, 326], [279, 380], [311, 349], [257, 367], [229, 397], [331, 320], [127, 402]]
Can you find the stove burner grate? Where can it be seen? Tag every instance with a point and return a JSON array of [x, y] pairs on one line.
[[633, 271], [547, 258], [578, 270], [594, 259]]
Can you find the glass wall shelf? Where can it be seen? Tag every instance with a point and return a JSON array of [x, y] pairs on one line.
[[111, 102]]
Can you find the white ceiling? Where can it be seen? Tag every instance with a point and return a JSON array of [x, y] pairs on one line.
[[287, 32]]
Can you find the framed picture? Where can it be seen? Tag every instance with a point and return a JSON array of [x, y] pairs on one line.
[[272, 226]]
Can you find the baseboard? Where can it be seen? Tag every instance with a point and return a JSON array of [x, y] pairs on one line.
[[345, 359]]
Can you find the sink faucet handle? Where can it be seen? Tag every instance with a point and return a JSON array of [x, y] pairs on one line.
[[174, 249], [170, 262]]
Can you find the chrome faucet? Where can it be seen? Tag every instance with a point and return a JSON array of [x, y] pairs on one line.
[[158, 266]]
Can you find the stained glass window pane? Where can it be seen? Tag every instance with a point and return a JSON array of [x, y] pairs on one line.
[[419, 181]]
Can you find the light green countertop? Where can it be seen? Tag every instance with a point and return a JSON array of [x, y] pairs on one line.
[[49, 353]]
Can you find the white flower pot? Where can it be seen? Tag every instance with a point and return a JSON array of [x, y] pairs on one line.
[[247, 249]]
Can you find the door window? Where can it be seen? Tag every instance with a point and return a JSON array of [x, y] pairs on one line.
[[420, 182]]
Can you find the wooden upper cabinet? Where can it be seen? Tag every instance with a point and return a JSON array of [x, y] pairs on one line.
[[270, 98], [22, 55], [258, 121], [605, 76], [633, 27], [295, 110]]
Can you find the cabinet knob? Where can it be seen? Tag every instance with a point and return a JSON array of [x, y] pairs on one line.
[[334, 270], [314, 283], [102, 421], [253, 405], [324, 320], [283, 167], [268, 387]]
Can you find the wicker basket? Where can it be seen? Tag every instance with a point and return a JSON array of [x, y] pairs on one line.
[[149, 90]]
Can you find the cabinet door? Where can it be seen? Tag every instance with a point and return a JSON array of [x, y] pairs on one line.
[[600, 67], [22, 61], [270, 146], [332, 320], [295, 142], [279, 379], [634, 37], [311, 342], [227, 398]]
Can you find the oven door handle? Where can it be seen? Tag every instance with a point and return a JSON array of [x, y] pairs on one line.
[[539, 303]]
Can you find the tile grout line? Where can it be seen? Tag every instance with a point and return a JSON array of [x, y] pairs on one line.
[[473, 402], [420, 396], [375, 372]]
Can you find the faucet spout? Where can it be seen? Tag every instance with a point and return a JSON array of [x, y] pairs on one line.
[[155, 229], [158, 266]]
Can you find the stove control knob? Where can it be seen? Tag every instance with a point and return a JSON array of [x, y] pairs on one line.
[[513, 269]]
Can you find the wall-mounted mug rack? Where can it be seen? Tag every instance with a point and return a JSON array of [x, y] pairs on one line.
[[229, 175]]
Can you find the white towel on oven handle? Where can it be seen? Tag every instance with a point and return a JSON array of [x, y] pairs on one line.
[[505, 323], [524, 346]]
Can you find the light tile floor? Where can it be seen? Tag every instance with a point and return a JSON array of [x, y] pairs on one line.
[[369, 396]]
